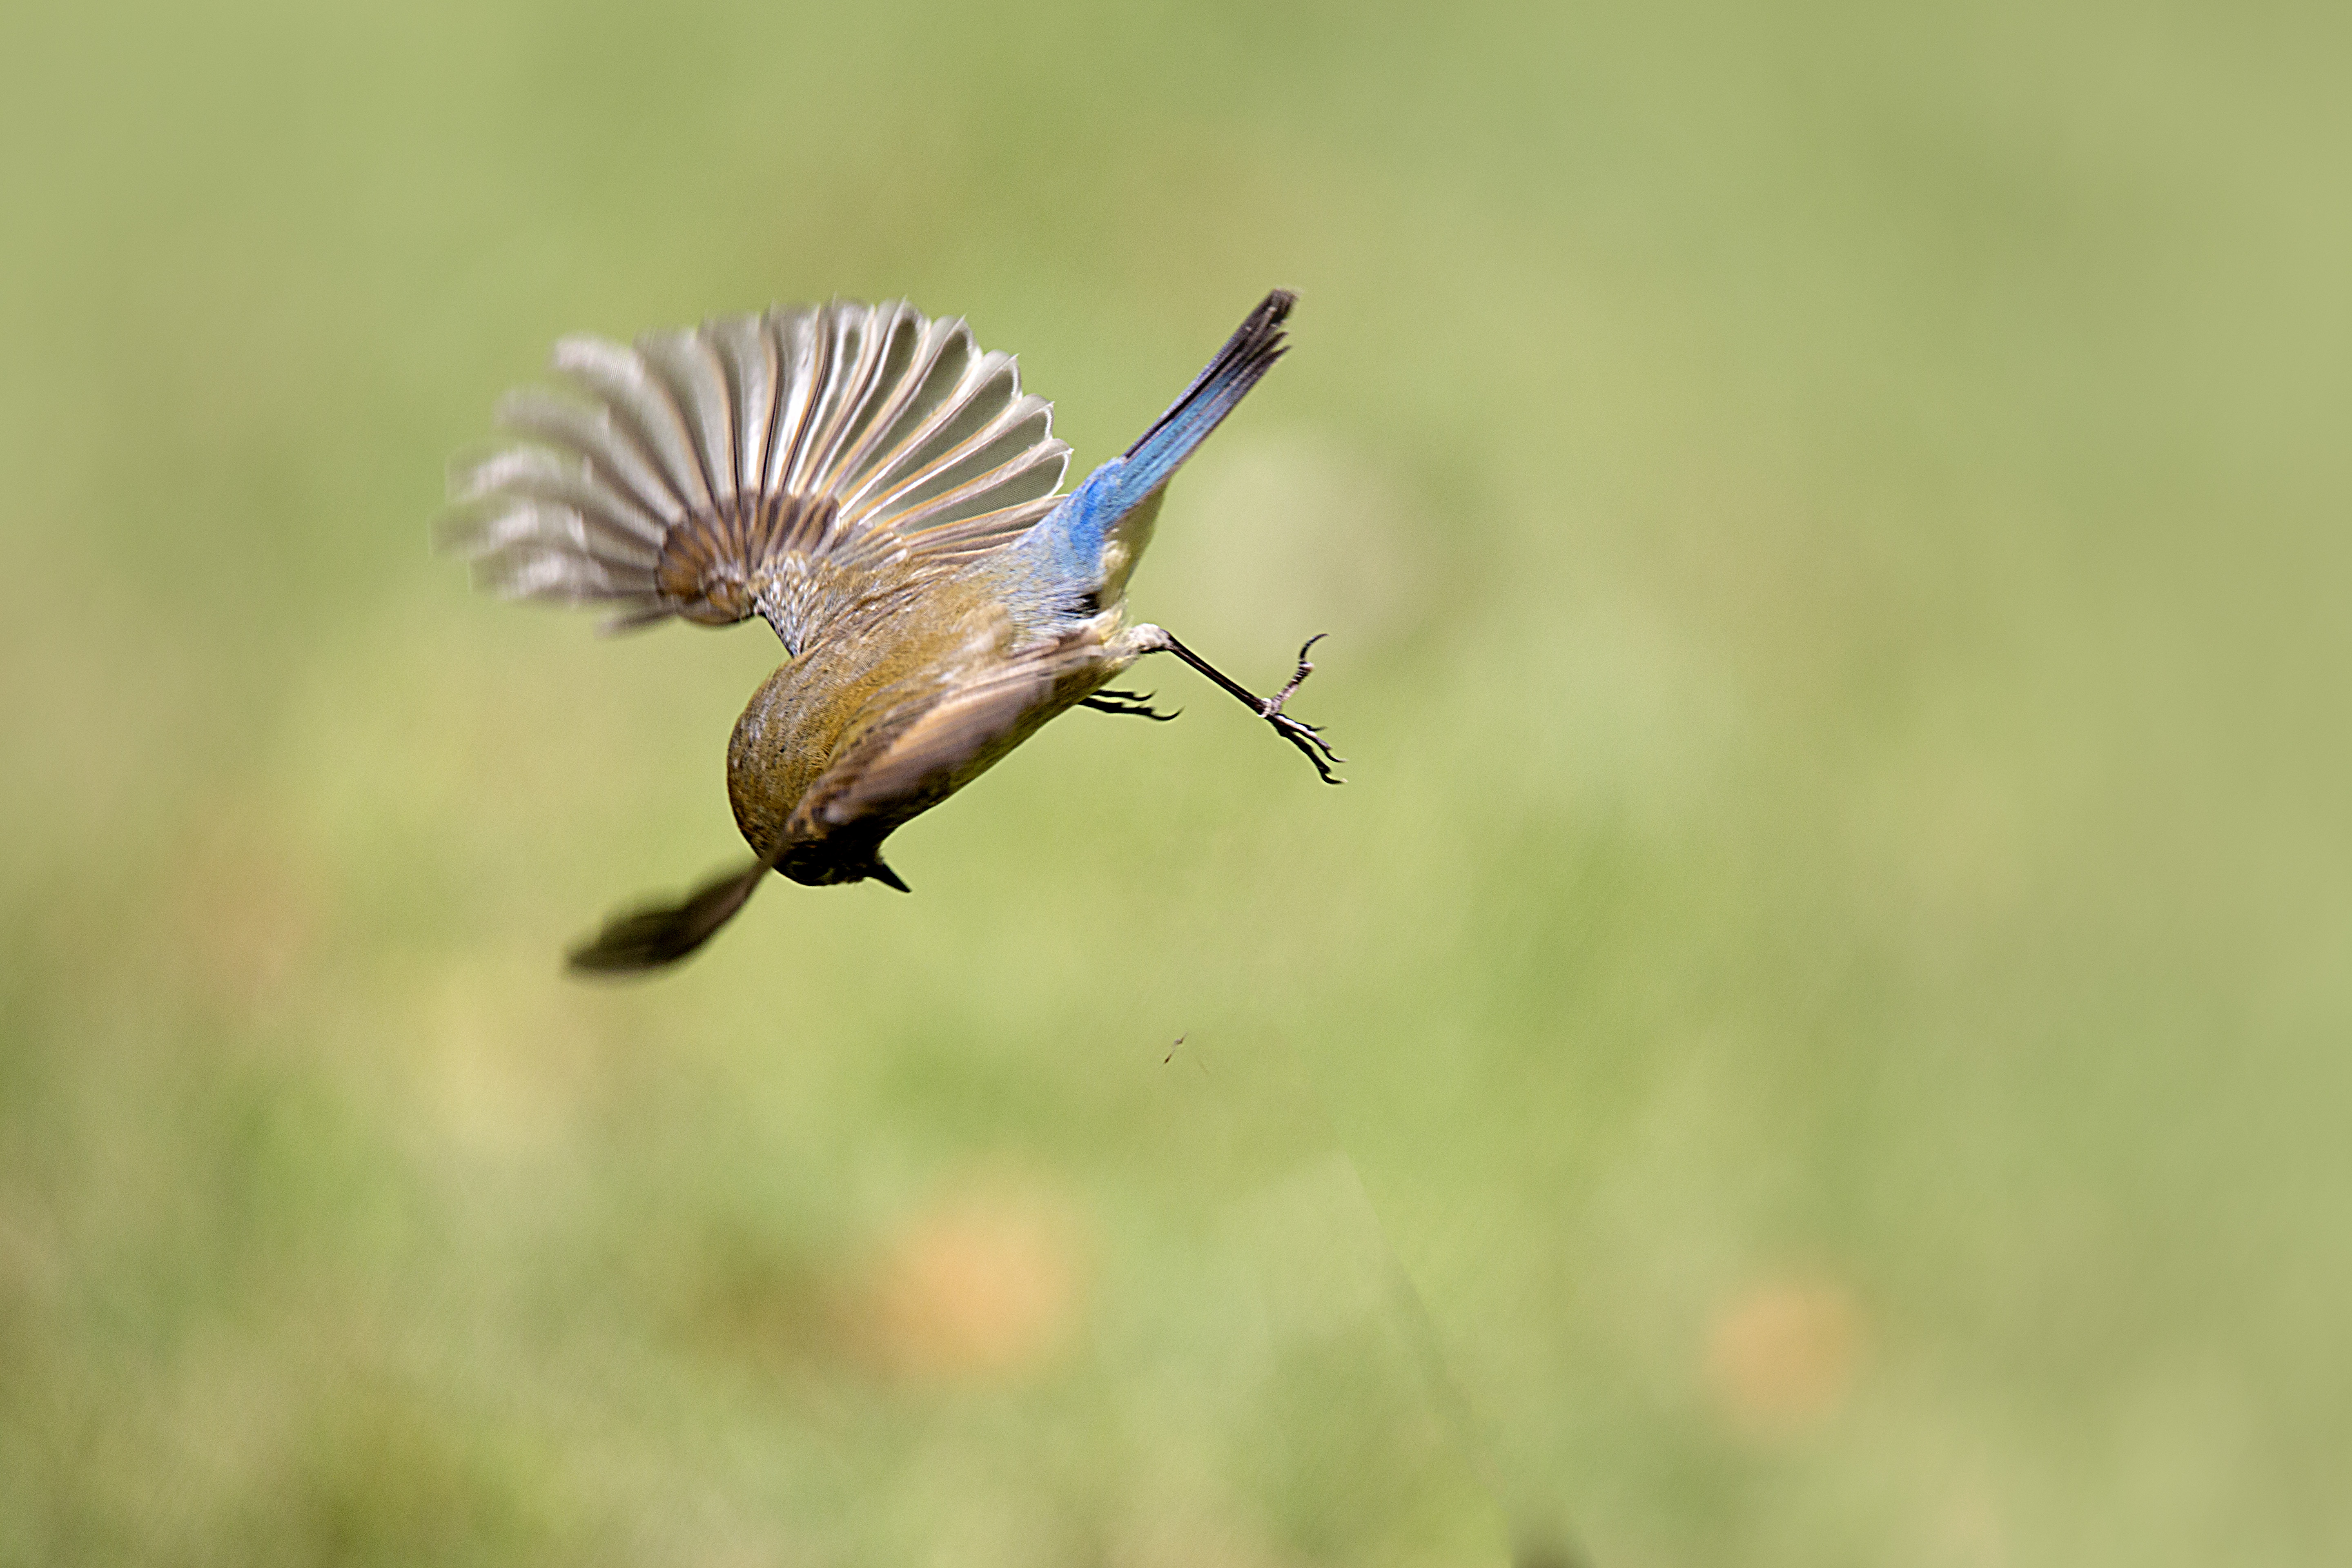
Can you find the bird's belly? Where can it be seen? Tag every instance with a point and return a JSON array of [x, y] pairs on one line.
[[833, 752]]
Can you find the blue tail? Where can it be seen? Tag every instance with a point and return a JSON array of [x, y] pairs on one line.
[[1248, 355], [1070, 537]]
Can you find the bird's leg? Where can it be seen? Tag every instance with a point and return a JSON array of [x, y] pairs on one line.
[[1307, 737], [1136, 702]]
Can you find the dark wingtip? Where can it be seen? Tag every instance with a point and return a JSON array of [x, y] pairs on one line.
[[609, 954], [651, 938], [630, 945]]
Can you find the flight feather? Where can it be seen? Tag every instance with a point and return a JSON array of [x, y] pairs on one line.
[[756, 464]]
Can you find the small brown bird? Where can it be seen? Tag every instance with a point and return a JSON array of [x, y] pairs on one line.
[[883, 494]]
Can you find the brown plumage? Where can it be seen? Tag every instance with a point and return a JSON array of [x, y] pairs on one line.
[[882, 493]]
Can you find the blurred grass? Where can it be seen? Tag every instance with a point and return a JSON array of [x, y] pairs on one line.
[[1831, 970]]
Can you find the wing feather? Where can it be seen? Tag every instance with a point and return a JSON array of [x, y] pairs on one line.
[[566, 424], [643, 411], [688, 367], [680, 475]]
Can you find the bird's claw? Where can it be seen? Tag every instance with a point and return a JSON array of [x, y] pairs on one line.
[[1307, 738], [1139, 703]]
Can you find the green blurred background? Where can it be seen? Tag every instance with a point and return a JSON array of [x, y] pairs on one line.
[[1815, 1034]]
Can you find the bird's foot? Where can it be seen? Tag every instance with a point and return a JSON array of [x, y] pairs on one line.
[[1307, 738], [1136, 702]]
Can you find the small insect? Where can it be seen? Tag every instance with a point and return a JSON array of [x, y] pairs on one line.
[[886, 498], [1171, 1052]]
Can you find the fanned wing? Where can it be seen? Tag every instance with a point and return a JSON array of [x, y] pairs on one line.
[[756, 463]]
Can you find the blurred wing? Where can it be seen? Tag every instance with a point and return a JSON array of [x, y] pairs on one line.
[[655, 934], [757, 463]]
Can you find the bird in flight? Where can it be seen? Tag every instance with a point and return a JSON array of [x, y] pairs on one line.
[[886, 498]]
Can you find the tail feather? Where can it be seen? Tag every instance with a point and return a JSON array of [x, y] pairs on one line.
[[1066, 550], [1223, 382]]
